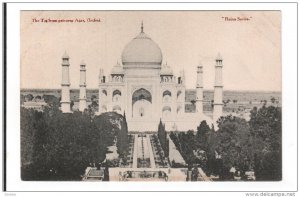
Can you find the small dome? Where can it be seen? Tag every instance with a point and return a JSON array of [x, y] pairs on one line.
[[117, 70], [166, 70], [142, 50]]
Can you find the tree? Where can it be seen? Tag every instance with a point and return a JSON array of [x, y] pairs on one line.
[[52, 100], [266, 127], [265, 102], [58, 146], [202, 135], [93, 97], [28, 122], [273, 100], [38, 97], [212, 164], [93, 107], [122, 139], [226, 102], [22, 99], [186, 143], [162, 137], [233, 145], [29, 97]]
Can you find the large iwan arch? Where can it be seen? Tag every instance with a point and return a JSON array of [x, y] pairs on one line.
[[141, 104]]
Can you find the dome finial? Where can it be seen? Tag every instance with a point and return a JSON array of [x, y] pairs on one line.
[[142, 27]]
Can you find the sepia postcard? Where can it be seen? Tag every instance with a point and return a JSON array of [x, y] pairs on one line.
[[150, 97]]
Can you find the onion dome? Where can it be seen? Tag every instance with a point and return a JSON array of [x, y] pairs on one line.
[[141, 51]]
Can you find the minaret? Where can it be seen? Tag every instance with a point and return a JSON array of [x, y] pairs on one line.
[[218, 94], [101, 81], [65, 85], [82, 85], [199, 90]]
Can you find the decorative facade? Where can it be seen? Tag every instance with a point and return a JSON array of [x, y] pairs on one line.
[[147, 90]]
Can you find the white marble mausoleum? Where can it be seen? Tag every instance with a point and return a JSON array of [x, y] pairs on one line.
[[146, 89]]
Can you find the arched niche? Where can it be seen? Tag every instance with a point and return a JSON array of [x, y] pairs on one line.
[[116, 95], [141, 94], [103, 93], [141, 104], [167, 96]]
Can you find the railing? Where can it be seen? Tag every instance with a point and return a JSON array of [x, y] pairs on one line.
[[132, 175]]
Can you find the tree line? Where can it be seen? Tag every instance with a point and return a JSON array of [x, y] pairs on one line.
[[162, 137], [58, 146], [253, 145]]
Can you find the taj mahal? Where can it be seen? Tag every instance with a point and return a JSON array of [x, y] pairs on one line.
[[146, 90]]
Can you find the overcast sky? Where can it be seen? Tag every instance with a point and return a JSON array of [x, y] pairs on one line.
[[251, 49]]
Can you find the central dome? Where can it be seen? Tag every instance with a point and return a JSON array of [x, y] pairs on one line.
[[141, 51]]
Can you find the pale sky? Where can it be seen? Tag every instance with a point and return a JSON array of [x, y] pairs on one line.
[[251, 50]]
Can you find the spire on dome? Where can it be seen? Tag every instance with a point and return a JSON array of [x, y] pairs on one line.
[[142, 51]]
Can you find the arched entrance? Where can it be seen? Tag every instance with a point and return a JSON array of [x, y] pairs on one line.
[[141, 104]]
